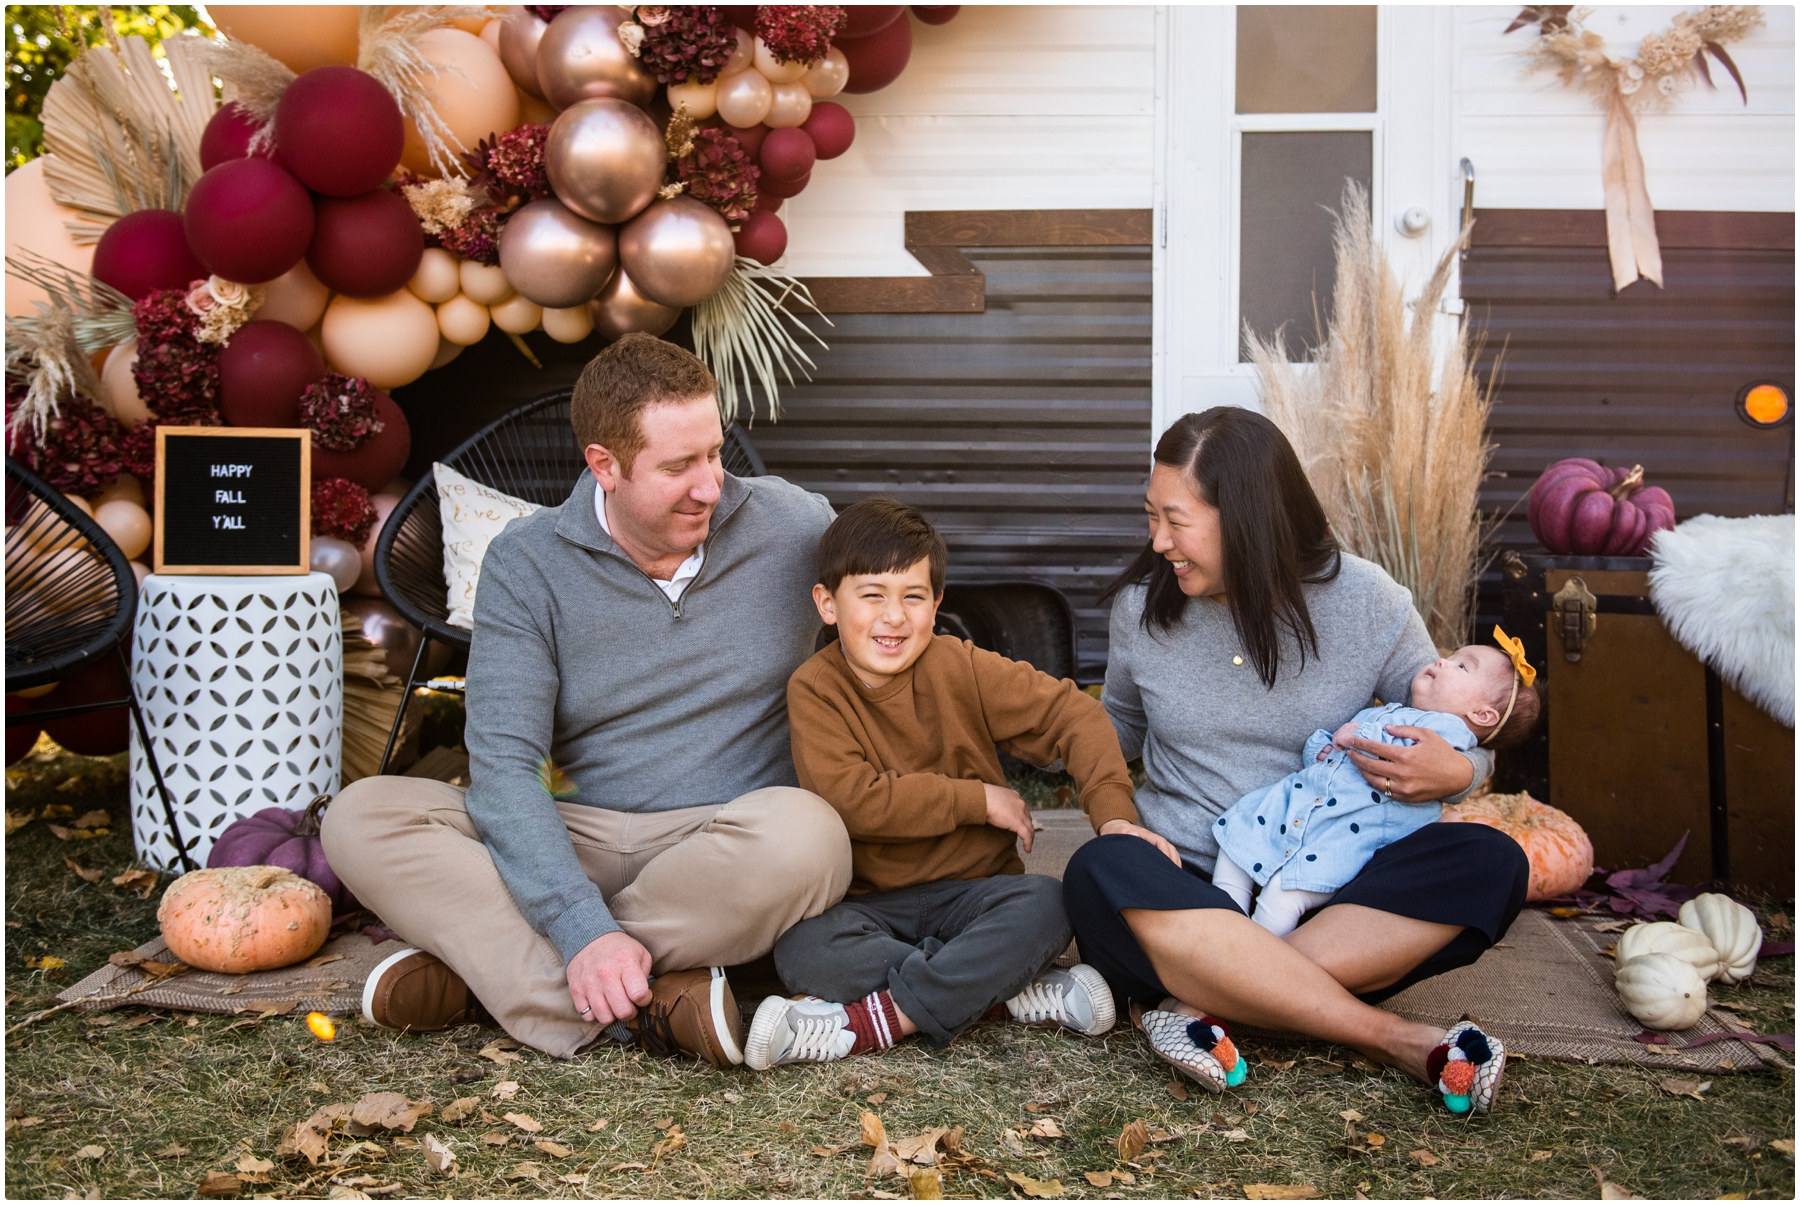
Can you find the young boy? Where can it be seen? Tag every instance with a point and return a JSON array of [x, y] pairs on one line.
[[896, 729]]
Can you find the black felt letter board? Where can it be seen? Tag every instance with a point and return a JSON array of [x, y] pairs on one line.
[[232, 502]]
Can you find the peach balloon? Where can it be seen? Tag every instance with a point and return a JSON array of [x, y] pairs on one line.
[[517, 315], [81, 504], [302, 36], [702, 100], [384, 503], [475, 97], [474, 25], [118, 387], [140, 571], [463, 321], [535, 112], [128, 525], [742, 57], [390, 340], [295, 297], [829, 75], [437, 279], [447, 351], [125, 487], [490, 32], [34, 222], [773, 69], [790, 106], [485, 283], [570, 325], [744, 98]]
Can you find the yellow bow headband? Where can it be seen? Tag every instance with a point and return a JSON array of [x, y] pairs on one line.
[[1515, 649]]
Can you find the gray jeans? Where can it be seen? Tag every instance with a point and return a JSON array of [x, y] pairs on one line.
[[946, 951]]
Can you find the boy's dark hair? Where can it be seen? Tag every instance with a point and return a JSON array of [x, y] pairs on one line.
[[879, 535], [636, 372], [1527, 709]]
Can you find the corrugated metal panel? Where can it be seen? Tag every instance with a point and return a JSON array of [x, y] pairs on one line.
[[1648, 377], [1023, 432]]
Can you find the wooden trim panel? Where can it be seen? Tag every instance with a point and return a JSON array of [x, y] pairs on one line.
[[1685, 229], [956, 285]]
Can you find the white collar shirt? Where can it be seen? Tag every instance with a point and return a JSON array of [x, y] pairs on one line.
[[686, 572]]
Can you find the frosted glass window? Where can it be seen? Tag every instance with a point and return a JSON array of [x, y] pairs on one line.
[[1306, 58], [1293, 184]]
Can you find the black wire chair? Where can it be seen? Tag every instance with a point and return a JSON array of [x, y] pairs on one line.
[[529, 453], [70, 598]]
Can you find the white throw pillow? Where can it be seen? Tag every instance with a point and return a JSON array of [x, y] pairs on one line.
[[473, 514]]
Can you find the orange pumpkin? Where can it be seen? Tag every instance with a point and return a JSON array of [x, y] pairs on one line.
[[1560, 853], [235, 919]]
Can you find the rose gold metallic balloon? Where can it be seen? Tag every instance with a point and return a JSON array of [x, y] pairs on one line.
[[580, 56], [386, 628], [605, 159], [520, 32], [677, 251], [621, 309], [554, 257]]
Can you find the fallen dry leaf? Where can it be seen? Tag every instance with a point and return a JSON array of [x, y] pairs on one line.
[[438, 1155], [1038, 1106], [1099, 1179], [387, 1111], [922, 1148], [1351, 1115], [628, 1167], [1236, 1136], [1373, 1139], [501, 1051], [173, 1151], [873, 1132], [576, 1178], [1537, 1156], [253, 1165], [555, 1150], [826, 1152], [1613, 1192], [1036, 1188], [876, 1098], [48, 962], [461, 1107], [308, 1139], [524, 1171], [1278, 1064], [927, 1185], [662, 1123], [318, 961], [599, 1125], [92, 1152], [219, 1184], [1424, 1158], [495, 1138], [94, 819], [788, 1127], [1685, 1087], [1132, 1139], [1045, 1127], [88, 876], [669, 1145], [525, 1121], [1784, 1145], [1176, 1088], [1281, 1192], [18, 820], [506, 1089]]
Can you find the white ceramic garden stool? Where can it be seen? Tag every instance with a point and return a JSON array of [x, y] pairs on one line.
[[241, 681]]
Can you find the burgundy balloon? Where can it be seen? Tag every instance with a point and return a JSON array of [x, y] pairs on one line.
[[248, 220], [339, 131], [365, 246], [96, 733], [936, 14], [865, 19], [768, 202], [263, 371], [831, 129], [381, 456], [877, 60], [762, 237], [786, 154], [783, 188], [750, 138], [227, 136], [146, 251], [741, 15]]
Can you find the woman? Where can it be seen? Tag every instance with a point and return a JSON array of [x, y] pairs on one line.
[[1239, 630]]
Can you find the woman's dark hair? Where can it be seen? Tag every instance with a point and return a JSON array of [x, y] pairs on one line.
[[1273, 530]]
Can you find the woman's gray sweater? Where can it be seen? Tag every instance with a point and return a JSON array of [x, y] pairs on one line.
[[1210, 732]]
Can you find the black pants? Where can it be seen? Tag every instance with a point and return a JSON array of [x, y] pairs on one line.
[[1453, 874], [946, 951]]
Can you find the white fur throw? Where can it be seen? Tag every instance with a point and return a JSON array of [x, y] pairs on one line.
[[1725, 588]]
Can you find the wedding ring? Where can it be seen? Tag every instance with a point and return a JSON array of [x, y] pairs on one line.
[[1387, 784], [587, 1010]]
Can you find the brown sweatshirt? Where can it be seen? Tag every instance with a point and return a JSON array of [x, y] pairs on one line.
[[904, 763]]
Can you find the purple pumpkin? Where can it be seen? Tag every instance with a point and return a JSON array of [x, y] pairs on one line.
[[1582, 508], [290, 840]]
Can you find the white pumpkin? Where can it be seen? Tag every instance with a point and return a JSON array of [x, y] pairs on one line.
[[1667, 937], [1662, 991], [1732, 930]]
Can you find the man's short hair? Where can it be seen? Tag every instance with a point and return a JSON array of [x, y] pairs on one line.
[[618, 385], [879, 535]]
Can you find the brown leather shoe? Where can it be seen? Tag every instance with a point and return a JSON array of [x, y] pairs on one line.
[[415, 990], [692, 1012]]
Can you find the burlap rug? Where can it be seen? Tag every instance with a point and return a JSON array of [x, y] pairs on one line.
[[329, 982]]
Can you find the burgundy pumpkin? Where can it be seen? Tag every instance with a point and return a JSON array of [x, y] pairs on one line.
[[290, 840], [1581, 508]]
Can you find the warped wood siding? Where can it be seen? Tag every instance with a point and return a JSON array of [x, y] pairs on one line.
[[1023, 432], [1648, 377]]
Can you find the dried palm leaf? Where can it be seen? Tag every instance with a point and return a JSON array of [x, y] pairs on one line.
[[388, 51], [1392, 436], [101, 314], [741, 334], [118, 137]]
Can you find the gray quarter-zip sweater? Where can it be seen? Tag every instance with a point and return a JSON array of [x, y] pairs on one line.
[[579, 664]]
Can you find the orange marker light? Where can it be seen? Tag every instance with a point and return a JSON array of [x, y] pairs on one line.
[[1766, 404], [321, 1026]]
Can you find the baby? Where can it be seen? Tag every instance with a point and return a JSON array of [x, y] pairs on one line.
[[1305, 837]]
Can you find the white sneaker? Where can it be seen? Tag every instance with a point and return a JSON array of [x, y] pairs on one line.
[[805, 1029], [1077, 999]]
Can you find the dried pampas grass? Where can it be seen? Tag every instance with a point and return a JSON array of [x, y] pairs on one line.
[[1394, 445], [388, 51]]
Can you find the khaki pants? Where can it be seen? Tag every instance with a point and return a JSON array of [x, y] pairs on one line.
[[706, 886]]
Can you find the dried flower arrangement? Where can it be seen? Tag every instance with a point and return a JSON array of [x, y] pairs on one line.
[[1394, 444], [177, 374], [509, 167], [341, 509], [798, 33], [716, 171], [680, 42], [341, 412]]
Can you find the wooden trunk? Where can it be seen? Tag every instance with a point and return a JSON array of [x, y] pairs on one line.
[[1641, 742]]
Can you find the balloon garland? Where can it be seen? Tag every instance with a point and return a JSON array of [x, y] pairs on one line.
[[382, 187]]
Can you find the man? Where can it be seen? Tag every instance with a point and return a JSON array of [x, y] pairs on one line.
[[632, 822]]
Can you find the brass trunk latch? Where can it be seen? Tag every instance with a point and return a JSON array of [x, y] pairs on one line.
[[1576, 616]]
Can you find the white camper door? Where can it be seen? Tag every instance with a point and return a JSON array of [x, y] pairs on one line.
[[1262, 112]]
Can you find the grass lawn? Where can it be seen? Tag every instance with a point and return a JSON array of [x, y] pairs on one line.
[[135, 1103]]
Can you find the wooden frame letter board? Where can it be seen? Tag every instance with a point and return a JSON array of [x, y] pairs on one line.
[[233, 500]]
